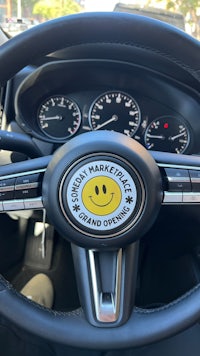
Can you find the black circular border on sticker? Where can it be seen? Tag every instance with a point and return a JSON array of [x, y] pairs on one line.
[[116, 230]]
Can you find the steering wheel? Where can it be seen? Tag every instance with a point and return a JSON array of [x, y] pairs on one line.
[[102, 191]]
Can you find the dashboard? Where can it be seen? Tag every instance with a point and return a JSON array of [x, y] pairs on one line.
[[62, 99]]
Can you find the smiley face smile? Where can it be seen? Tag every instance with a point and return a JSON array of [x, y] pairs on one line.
[[101, 205]]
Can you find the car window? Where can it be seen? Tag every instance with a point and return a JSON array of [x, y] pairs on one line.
[[19, 15]]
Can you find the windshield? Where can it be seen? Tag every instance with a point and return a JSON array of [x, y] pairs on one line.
[[19, 15]]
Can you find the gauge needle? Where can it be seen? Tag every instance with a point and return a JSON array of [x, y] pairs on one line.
[[57, 117], [113, 118], [161, 137], [174, 137]]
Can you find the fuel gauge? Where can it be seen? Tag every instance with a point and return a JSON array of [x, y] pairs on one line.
[[167, 134]]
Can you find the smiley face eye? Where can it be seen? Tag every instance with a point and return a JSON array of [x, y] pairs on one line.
[[104, 188], [96, 190]]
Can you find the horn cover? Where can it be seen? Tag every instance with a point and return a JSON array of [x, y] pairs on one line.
[[102, 189]]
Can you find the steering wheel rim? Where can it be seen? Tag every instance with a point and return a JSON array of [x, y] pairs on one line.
[[126, 30], [146, 326]]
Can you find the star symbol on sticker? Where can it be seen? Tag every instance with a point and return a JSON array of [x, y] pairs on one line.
[[76, 207], [129, 200]]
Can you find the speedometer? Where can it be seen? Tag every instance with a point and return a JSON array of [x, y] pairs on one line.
[[115, 111]]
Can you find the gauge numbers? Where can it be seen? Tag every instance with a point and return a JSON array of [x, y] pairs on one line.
[[167, 134], [115, 111], [59, 117]]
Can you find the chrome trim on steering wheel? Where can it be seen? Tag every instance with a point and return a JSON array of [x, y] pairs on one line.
[[106, 304]]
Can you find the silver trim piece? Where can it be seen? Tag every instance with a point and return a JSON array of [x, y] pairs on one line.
[[35, 203], [26, 186], [10, 205], [8, 188], [178, 179], [21, 204], [167, 165], [107, 311], [191, 197], [172, 198], [195, 180], [181, 198], [16, 175]]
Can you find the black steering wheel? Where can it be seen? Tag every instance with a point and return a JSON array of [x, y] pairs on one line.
[[103, 191]]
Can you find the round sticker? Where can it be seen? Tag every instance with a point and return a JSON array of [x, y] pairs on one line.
[[101, 195]]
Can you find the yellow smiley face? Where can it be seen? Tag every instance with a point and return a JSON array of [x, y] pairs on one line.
[[101, 195]]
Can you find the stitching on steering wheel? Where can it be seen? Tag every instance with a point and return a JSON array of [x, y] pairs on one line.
[[167, 306]]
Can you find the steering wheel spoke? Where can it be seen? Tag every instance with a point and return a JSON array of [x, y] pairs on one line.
[[106, 283], [21, 185], [181, 178]]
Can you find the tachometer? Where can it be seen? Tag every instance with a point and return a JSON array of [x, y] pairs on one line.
[[115, 111], [59, 117], [167, 134]]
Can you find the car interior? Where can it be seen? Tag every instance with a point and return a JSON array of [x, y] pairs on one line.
[[100, 187]]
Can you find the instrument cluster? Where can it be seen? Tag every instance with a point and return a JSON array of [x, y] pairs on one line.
[[59, 117], [62, 99]]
